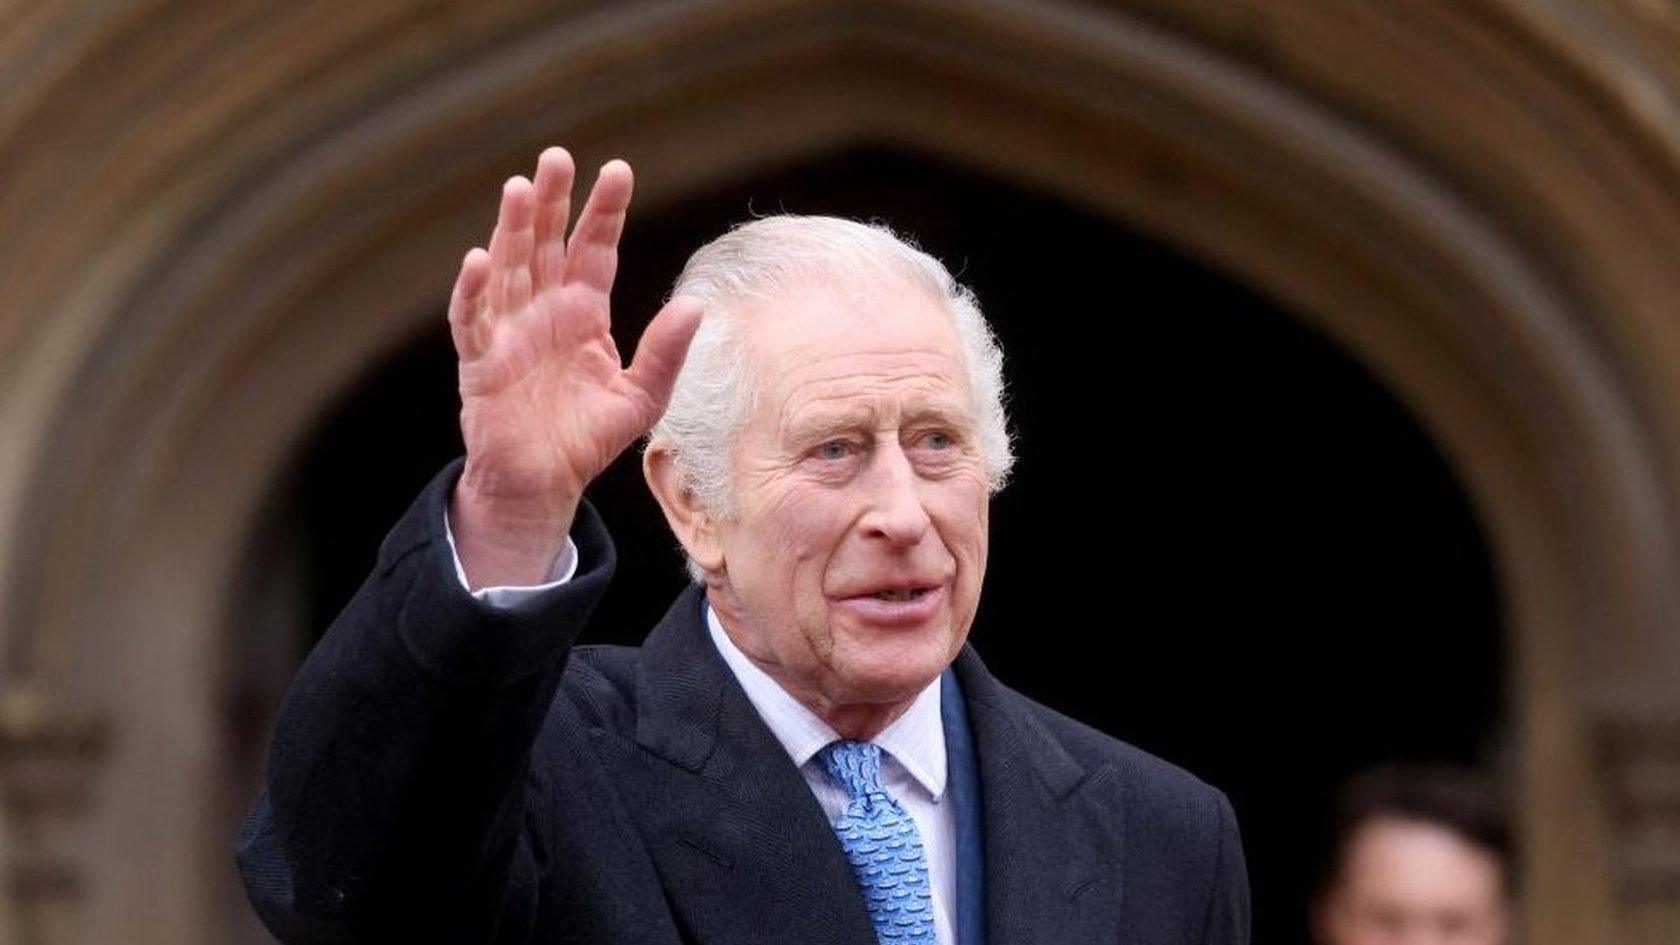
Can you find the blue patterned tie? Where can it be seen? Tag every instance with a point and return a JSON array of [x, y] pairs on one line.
[[880, 840]]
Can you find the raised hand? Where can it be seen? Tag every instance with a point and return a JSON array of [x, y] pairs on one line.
[[546, 403]]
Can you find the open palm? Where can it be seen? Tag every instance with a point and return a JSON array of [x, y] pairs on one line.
[[546, 403]]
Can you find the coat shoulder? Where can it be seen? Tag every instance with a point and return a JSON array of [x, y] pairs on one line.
[[1152, 793], [599, 685], [1174, 835]]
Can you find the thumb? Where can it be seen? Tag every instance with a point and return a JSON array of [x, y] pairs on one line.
[[662, 348]]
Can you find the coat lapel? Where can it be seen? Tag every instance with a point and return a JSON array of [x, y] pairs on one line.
[[1052, 852], [746, 854], [742, 847]]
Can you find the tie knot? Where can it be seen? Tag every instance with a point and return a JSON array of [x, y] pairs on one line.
[[855, 766]]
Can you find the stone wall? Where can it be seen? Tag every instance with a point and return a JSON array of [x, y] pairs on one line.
[[216, 215]]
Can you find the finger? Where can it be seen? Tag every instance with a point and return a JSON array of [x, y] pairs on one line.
[[510, 248], [592, 254], [661, 350], [554, 208], [470, 331]]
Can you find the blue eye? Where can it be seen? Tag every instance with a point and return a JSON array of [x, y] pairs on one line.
[[939, 441], [834, 449]]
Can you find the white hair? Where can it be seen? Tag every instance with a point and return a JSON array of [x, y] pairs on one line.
[[763, 258]]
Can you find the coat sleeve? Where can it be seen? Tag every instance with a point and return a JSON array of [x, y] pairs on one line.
[[1227, 921], [396, 791]]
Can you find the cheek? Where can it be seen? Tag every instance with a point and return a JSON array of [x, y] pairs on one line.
[[799, 530], [963, 513]]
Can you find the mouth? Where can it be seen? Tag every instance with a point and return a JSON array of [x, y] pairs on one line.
[[898, 594], [896, 606]]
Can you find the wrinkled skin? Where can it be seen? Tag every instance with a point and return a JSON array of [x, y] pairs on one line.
[[546, 401], [860, 468]]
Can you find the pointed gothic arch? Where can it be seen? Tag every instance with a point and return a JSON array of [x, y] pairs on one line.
[[1479, 200]]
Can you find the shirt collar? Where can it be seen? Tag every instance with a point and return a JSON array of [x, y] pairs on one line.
[[916, 739]]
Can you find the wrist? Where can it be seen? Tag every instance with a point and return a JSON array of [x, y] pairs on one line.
[[501, 541]]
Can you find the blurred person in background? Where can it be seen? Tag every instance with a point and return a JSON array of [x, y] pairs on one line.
[[1416, 855]]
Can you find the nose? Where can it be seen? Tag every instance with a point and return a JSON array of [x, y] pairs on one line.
[[895, 510]]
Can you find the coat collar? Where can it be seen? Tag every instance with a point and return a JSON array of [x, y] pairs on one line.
[[728, 792], [1052, 849], [915, 740]]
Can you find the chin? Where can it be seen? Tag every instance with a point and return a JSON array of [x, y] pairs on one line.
[[893, 670]]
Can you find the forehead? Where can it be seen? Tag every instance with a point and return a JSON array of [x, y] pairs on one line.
[[827, 342], [1420, 862]]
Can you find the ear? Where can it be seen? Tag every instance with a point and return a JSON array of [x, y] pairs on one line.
[[694, 526]]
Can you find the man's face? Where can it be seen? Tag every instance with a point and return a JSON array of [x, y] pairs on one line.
[[855, 556], [1418, 884]]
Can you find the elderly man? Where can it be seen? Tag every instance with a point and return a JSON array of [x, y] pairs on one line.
[[804, 750]]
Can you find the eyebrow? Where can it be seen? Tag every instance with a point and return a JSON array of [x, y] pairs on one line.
[[822, 424], [939, 413]]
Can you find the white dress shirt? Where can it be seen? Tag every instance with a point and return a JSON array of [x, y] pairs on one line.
[[913, 765], [511, 596]]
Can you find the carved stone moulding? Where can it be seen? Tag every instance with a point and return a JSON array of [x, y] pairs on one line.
[[50, 754], [1639, 748]]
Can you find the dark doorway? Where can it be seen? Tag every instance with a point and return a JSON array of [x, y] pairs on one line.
[[1224, 543]]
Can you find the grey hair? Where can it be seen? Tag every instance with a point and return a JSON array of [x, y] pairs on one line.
[[762, 258]]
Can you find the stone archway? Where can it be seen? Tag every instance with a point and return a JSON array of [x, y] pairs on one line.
[[1479, 201]]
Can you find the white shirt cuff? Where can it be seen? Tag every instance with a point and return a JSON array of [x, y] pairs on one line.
[[504, 597]]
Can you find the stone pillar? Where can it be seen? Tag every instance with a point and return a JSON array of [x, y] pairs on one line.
[[1640, 761], [49, 756]]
